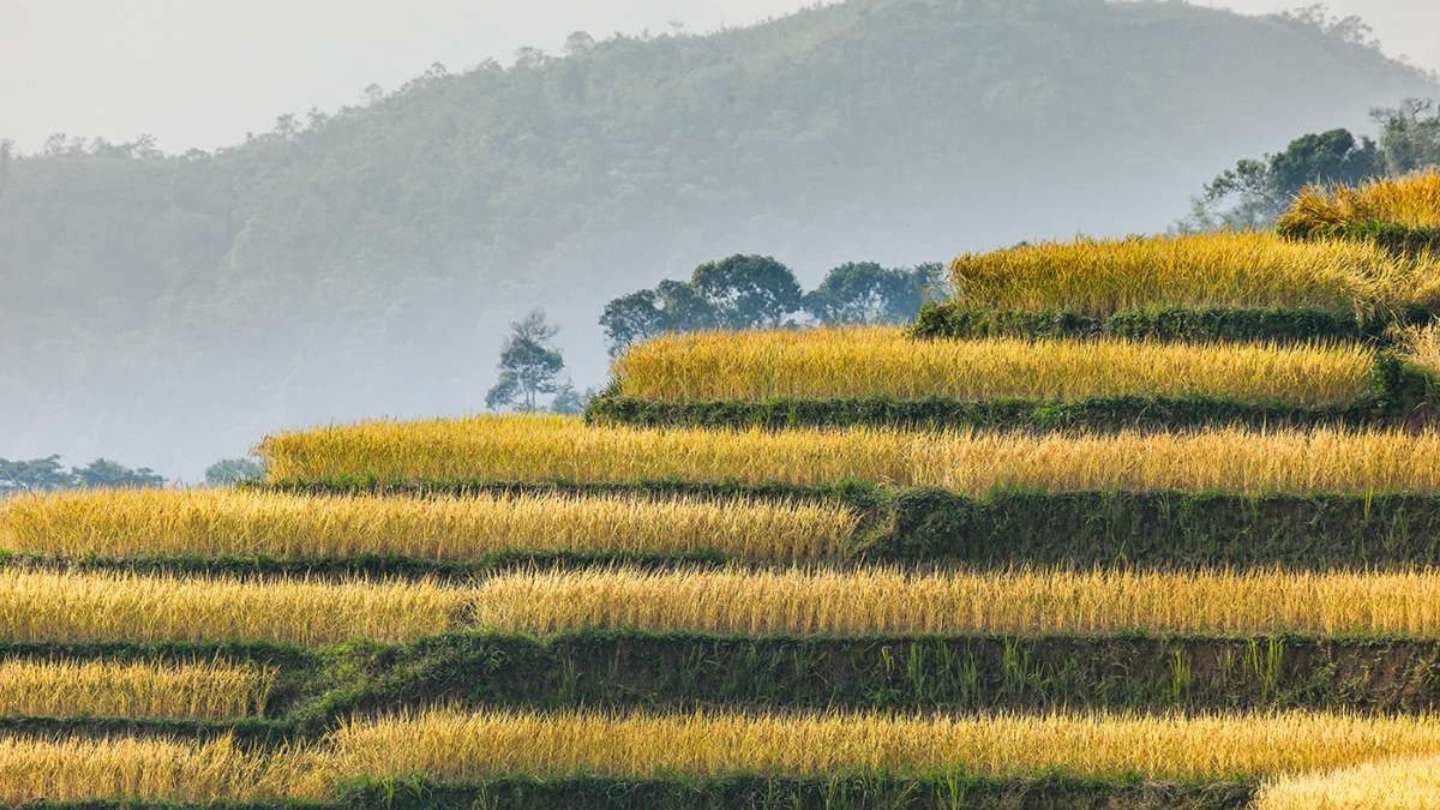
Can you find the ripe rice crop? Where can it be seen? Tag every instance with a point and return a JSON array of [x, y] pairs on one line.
[[889, 602], [1392, 784], [884, 362], [190, 691], [549, 448], [1227, 269], [447, 744], [53, 607], [1412, 201], [131, 523], [150, 770]]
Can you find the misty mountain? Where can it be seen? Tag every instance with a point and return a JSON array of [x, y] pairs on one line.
[[171, 309]]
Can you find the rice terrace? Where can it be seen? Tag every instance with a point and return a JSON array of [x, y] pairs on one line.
[[1144, 523]]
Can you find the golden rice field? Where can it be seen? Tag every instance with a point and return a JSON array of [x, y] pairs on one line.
[[883, 362], [550, 448], [181, 691], [466, 746], [1412, 201], [891, 602], [140, 523], [77, 769], [1392, 784], [54, 607], [1227, 269]]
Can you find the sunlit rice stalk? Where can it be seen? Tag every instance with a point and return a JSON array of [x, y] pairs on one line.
[[547, 448], [179, 691], [55, 607], [131, 523], [883, 362], [1411, 783], [1227, 269], [1412, 201], [455, 745], [75, 769], [891, 602]]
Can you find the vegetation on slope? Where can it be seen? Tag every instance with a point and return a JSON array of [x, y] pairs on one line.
[[253, 524], [181, 691], [1244, 269], [469, 746], [1401, 212], [825, 364], [56, 607], [548, 449], [888, 602], [184, 304], [1408, 783]]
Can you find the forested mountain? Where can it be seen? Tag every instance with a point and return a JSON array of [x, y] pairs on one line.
[[171, 309]]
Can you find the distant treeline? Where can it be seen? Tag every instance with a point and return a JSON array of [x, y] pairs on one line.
[[751, 292], [49, 475]]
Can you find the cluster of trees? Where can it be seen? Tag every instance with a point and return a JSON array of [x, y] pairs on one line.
[[748, 292], [1256, 191], [48, 474]]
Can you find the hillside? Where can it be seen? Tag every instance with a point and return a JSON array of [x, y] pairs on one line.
[[169, 309]]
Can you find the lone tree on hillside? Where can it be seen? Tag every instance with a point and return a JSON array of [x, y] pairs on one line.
[[530, 365]]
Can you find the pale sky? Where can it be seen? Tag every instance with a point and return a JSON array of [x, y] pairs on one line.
[[201, 73]]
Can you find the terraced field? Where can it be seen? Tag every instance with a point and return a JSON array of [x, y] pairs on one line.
[[1140, 524]]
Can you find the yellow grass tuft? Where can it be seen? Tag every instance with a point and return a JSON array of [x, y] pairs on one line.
[[151, 770], [1412, 201], [1228, 269], [466, 746], [882, 362], [135, 523], [549, 448], [188, 691], [53, 607], [889, 602], [1392, 784]]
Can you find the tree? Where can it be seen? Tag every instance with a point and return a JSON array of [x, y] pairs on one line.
[[105, 473], [1256, 192], [632, 318], [569, 401], [35, 475], [231, 471], [1409, 136], [529, 365], [866, 293], [747, 291]]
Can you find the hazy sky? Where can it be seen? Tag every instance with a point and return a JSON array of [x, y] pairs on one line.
[[204, 72]]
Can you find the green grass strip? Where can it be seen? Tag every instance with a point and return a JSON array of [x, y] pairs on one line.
[[1177, 324]]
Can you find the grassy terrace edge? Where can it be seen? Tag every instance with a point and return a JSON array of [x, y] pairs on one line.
[[1173, 324], [1400, 393], [920, 526], [1392, 236], [637, 670], [756, 793]]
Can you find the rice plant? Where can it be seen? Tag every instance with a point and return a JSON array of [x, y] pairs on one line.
[[1411, 202], [882, 362], [455, 745], [152, 770], [56, 607], [180, 691], [210, 523], [1409, 783], [1227, 269], [549, 448], [891, 602]]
